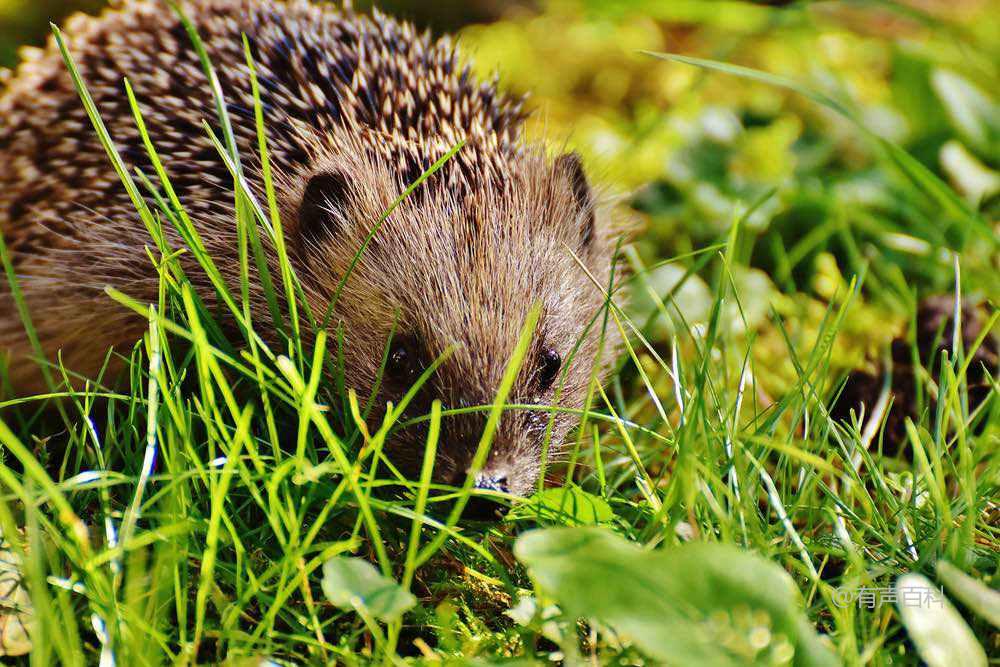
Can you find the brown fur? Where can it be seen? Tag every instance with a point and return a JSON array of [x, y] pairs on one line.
[[364, 101]]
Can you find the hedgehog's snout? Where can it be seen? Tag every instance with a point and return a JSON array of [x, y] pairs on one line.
[[513, 456], [491, 480], [494, 478], [511, 468]]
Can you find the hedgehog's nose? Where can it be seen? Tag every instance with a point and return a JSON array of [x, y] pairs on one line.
[[486, 508], [488, 481]]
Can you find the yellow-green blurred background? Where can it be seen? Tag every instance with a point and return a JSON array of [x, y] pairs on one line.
[[688, 151]]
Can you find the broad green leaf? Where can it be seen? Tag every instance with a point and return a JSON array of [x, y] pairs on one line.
[[972, 112], [941, 636], [971, 177], [568, 505], [701, 603], [353, 583], [980, 599]]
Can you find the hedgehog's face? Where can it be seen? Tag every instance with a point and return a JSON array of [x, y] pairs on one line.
[[450, 277]]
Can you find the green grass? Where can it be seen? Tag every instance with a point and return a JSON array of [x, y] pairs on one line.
[[229, 503]]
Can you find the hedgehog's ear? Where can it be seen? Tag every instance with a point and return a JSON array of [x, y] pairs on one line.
[[323, 197], [570, 166]]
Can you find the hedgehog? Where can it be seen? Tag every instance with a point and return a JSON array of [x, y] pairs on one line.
[[357, 107]]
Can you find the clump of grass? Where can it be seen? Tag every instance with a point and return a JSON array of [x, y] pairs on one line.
[[209, 512]]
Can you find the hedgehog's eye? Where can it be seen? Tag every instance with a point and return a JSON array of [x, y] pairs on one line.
[[404, 363], [548, 369]]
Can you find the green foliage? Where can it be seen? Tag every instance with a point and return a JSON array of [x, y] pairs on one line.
[[698, 603], [941, 636], [981, 600], [565, 505], [353, 584]]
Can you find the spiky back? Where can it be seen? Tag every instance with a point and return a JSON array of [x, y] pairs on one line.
[[409, 94], [323, 71], [320, 68], [375, 74]]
